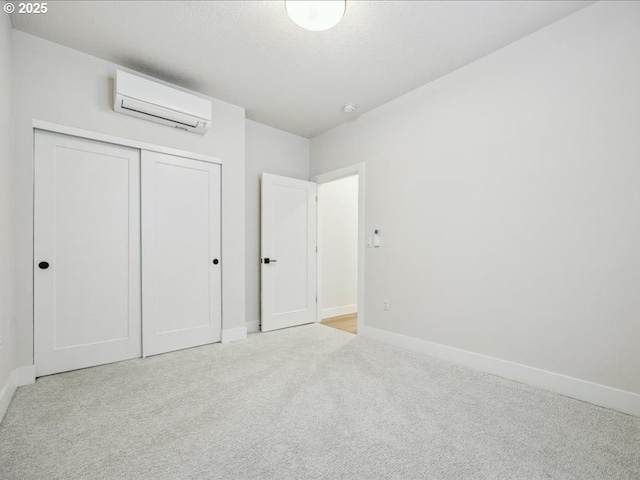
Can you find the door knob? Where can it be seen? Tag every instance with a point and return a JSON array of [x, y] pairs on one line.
[[43, 265], [216, 261], [269, 260]]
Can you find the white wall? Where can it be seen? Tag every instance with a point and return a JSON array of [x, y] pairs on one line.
[[508, 195], [338, 246], [7, 336], [63, 86], [272, 151]]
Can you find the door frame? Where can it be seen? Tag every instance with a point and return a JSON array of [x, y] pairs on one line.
[[358, 170], [125, 142]]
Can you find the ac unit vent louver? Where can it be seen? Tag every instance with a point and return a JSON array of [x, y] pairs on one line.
[[156, 102]]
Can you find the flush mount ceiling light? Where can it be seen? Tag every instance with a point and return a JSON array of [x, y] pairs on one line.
[[316, 15]]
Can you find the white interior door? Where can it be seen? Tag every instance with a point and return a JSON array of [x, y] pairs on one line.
[[181, 264], [288, 252], [86, 252]]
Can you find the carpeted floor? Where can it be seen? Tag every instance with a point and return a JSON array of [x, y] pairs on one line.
[[306, 402]]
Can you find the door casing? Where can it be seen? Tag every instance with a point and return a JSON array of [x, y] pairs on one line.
[[359, 170]]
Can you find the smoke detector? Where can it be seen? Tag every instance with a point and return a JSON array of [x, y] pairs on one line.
[[349, 108]]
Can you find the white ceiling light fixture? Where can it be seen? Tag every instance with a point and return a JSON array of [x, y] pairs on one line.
[[316, 15]]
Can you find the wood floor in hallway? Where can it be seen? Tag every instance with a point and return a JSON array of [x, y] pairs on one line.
[[347, 323]]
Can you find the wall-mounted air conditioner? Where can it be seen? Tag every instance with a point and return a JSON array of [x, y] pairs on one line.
[[159, 103]]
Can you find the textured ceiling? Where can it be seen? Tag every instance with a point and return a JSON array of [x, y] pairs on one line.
[[249, 53]]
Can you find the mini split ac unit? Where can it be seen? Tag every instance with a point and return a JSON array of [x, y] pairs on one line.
[[159, 103]]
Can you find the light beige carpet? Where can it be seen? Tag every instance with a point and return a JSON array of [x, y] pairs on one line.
[[307, 402]]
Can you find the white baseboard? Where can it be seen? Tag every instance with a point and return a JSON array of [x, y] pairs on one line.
[[6, 394], [337, 311], [17, 378], [609, 397], [234, 334], [25, 375], [253, 326]]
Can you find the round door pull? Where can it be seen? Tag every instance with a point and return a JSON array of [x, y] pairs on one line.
[[216, 261], [43, 265]]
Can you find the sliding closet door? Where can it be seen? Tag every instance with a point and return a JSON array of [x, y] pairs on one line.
[[86, 252], [181, 264]]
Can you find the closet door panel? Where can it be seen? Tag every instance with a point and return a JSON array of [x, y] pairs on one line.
[[87, 229], [181, 241], [182, 247]]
